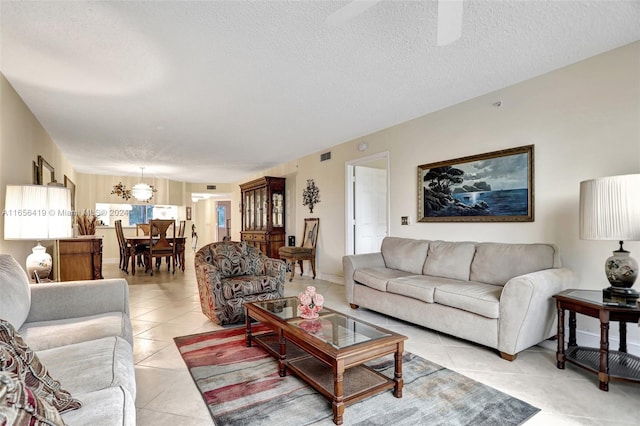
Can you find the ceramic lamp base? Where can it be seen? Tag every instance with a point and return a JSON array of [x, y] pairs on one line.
[[621, 269], [40, 262]]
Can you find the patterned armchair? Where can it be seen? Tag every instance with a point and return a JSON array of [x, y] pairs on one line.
[[230, 273]]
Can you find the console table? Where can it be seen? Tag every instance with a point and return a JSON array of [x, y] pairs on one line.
[[607, 364], [78, 258]]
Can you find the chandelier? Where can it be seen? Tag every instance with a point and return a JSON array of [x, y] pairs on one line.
[[141, 191]]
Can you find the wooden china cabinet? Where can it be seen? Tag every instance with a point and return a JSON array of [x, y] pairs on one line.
[[263, 214]]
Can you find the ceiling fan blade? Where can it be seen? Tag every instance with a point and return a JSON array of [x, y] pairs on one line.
[[350, 11], [449, 21]]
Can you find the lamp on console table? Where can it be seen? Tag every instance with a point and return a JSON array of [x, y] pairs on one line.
[[610, 210], [37, 212]]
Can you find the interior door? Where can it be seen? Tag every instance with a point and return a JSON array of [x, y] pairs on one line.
[[224, 221], [370, 208]]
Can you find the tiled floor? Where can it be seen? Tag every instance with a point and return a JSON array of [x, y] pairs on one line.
[[166, 305]]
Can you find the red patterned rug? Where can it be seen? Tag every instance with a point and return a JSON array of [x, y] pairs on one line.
[[241, 386]]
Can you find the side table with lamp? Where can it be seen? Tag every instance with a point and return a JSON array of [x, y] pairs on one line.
[[609, 210], [37, 212]]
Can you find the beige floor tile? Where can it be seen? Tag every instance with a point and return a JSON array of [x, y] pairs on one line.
[[159, 418]]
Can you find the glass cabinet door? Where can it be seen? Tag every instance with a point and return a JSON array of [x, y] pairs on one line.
[[261, 200], [250, 210], [278, 209]]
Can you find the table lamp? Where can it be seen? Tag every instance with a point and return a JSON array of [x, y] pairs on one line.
[[610, 210], [37, 212]]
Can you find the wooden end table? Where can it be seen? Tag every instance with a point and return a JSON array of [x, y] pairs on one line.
[[607, 364]]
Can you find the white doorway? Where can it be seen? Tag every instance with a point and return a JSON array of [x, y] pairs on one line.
[[368, 208]]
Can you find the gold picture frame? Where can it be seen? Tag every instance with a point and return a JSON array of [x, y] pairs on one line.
[[492, 187], [45, 178], [68, 183]]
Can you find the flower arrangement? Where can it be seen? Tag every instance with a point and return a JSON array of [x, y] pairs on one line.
[[310, 303]]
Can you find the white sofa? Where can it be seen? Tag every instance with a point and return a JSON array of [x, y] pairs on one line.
[[81, 332], [498, 295]]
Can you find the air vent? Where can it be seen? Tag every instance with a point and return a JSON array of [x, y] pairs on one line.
[[211, 187], [326, 156]]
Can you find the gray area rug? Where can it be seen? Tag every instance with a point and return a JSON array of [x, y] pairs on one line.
[[241, 386]]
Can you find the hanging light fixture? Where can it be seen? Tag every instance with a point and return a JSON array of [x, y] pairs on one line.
[[141, 191]]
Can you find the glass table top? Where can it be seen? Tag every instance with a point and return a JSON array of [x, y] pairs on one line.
[[333, 328], [591, 296]]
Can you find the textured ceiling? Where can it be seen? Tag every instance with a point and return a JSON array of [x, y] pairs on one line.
[[213, 91]]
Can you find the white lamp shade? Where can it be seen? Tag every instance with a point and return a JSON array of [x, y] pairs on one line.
[[37, 212], [610, 208]]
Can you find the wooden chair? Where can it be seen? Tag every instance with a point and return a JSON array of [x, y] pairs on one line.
[[142, 228], [307, 251], [180, 247], [159, 244], [122, 244], [125, 248]]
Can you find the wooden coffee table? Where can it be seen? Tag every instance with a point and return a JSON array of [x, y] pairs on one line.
[[328, 353]]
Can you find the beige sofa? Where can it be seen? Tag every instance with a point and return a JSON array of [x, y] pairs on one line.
[[498, 295], [81, 333]]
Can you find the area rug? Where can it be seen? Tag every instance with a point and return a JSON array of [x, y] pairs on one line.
[[241, 386]]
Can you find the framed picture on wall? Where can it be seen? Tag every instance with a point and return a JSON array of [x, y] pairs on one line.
[[68, 183], [188, 213], [492, 187]]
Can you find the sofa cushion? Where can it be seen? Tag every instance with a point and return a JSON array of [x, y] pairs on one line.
[[16, 296], [478, 298], [230, 258], [110, 406], [20, 405], [419, 287], [449, 259], [378, 277], [245, 285], [49, 334], [33, 372], [497, 263], [404, 254], [88, 366]]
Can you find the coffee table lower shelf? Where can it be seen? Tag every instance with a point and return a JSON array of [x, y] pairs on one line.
[[359, 382]]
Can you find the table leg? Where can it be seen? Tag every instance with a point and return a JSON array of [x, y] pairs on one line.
[[397, 376], [560, 353], [338, 398], [623, 336], [132, 250], [572, 329], [248, 326], [603, 376], [283, 354]]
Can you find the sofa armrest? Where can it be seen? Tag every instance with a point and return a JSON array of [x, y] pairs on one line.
[[352, 262], [527, 308], [71, 299], [278, 269]]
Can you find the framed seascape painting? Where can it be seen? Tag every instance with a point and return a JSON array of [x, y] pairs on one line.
[[492, 187]]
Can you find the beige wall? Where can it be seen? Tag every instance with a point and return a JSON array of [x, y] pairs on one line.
[[584, 121], [22, 139]]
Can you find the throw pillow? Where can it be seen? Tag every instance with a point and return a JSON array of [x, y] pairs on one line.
[[19, 405], [33, 372]]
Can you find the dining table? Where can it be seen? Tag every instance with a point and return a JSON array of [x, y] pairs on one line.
[[133, 241]]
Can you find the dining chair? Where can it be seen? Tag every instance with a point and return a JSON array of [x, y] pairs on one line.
[[142, 228], [180, 247], [122, 244], [307, 251], [125, 249], [159, 244]]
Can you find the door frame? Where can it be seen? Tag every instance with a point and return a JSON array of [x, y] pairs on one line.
[[350, 193]]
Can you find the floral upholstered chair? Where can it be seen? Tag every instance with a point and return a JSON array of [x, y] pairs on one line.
[[230, 273]]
